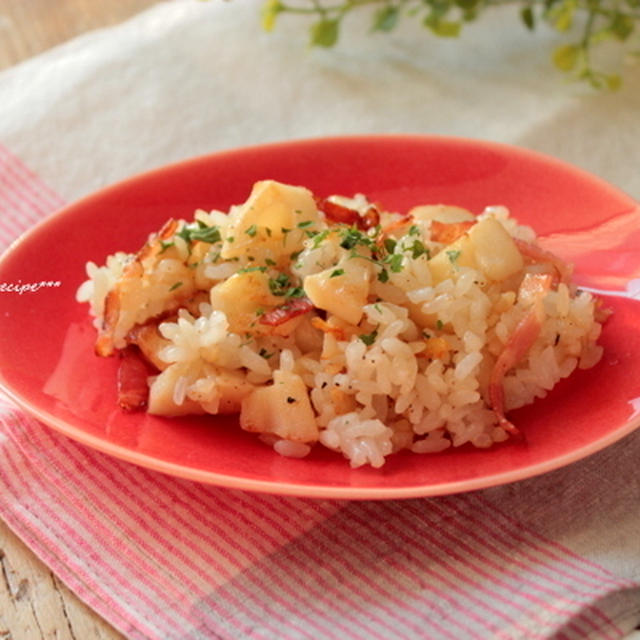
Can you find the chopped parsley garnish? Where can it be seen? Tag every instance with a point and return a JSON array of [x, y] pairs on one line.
[[414, 230], [390, 244], [279, 285], [200, 231], [174, 286], [294, 292], [306, 223], [251, 231], [439, 325], [265, 354], [336, 272], [369, 338], [383, 276], [248, 339], [285, 231], [395, 262], [165, 245], [453, 256], [250, 269], [318, 238], [350, 239], [269, 262], [352, 236], [418, 249]]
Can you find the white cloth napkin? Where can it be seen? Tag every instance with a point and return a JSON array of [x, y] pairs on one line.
[[561, 552], [192, 77]]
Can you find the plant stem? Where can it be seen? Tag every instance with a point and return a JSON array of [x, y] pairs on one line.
[[345, 7]]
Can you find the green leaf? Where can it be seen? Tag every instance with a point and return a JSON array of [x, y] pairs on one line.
[[386, 18], [446, 29], [622, 26], [436, 22], [469, 15], [565, 57], [613, 81], [561, 16], [527, 16], [467, 5], [270, 9], [469, 8], [602, 80], [324, 33], [601, 35]]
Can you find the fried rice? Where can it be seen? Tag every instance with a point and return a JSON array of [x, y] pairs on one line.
[[332, 322]]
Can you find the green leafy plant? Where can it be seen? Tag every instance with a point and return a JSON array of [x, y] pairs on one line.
[[586, 24]]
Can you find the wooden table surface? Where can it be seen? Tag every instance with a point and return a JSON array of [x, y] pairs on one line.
[[34, 603]]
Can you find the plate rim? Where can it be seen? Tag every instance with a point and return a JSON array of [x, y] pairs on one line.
[[318, 491], [410, 138]]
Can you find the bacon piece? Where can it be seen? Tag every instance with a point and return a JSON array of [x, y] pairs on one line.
[[141, 265], [538, 254], [345, 215], [153, 247], [370, 218], [150, 341], [133, 389], [534, 287], [394, 226], [448, 232], [295, 307]]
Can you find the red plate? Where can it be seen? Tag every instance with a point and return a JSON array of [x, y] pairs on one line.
[[48, 367]]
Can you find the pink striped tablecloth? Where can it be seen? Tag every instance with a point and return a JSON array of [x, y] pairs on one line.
[[164, 558]]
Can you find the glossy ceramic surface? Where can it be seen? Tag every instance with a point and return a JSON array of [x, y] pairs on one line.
[[47, 363]]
